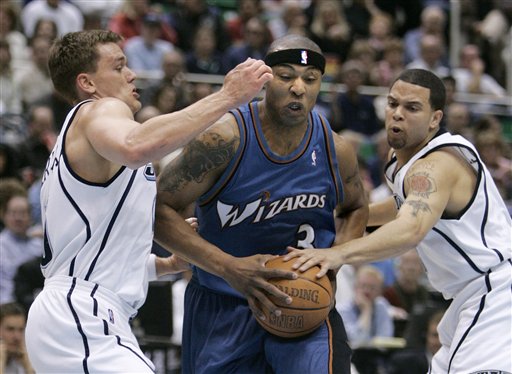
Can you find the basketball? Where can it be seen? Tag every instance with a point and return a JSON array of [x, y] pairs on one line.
[[311, 302]]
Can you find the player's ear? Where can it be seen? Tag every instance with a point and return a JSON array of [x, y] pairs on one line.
[[437, 116], [85, 84]]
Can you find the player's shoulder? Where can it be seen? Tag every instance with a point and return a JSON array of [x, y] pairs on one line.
[[444, 163], [107, 106]]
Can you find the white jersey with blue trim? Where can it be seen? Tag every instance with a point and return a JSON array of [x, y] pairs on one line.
[[460, 249], [99, 232]]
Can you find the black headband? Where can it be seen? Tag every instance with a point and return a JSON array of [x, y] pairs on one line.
[[296, 56]]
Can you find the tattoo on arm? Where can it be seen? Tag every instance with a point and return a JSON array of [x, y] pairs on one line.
[[421, 184], [198, 158], [418, 206]]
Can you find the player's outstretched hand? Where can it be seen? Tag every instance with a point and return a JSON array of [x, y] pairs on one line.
[[327, 259], [246, 80], [249, 276]]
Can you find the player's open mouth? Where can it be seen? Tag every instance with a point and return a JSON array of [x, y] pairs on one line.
[[295, 106]]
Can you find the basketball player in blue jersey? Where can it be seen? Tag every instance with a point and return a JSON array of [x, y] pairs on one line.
[[446, 204], [98, 196], [267, 175]]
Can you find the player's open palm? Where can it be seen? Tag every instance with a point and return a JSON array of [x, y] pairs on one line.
[[249, 276]]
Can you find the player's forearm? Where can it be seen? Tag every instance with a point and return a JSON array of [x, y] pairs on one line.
[[177, 236], [390, 240]]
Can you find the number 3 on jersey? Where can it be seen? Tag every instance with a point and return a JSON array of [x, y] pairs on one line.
[[305, 236]]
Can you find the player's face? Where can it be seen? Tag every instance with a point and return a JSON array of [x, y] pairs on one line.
[[293, 91], [409, 116], [113, 78]]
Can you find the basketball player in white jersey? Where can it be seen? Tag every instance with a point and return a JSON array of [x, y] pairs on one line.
[[447, 205], [97, 200]]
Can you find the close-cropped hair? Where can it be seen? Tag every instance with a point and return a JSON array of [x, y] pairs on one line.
[[427, 79], [76, 53]]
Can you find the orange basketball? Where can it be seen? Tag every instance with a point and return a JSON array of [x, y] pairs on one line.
[[311, 302]]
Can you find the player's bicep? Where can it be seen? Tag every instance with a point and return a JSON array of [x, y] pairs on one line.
[[427, 186], [353, 189], [198, 167]]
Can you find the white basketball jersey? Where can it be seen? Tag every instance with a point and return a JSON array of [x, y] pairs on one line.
[[100, 232], [460, 249]]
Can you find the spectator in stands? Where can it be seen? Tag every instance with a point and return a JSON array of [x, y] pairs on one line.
[[41, 138], [16, 39], [13, 353], [387, 69], [431, 55], [330, 30], [367, 315], [495, 153], [291, 20], [66, 15], [471, 76], [380, 32], [144, 53], [167, 99], [433, 22], [205, 58], [458, 120], [174, 69], [45, 28], [352, 110], [451, 87], [16, 244], [359, 14], [362, 51], [35, 82], [493, 35], [408, 290], [191, 15], [10, 94], [246, 9], [9, 187], [256, 41], [127, 21], [417, 360]]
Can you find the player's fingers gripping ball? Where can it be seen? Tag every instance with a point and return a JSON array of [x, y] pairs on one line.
[[311, 302]]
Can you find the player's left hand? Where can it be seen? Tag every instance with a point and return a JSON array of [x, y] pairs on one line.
[[327, 259]]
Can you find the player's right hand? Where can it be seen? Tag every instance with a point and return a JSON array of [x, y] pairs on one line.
[[249, 276], [245, 81]]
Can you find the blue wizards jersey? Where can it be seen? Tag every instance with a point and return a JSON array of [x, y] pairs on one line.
[[264, 202]]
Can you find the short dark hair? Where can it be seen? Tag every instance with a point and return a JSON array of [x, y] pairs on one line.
[[427, 79], [293, 41], [76, 53], [11, 309]]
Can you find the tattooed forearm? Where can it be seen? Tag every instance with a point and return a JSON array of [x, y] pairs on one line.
[[421, 184], [198, 158], [418, 206]]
